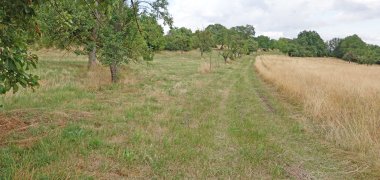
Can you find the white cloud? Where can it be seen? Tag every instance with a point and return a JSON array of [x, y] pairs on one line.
[[275, 18]]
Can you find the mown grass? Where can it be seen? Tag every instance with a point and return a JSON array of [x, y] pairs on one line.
[[168, 119]]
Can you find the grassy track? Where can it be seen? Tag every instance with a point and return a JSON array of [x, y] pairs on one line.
[[165, 120]]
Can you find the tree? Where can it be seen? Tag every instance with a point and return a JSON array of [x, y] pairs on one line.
[[122, 38], [179, 39], [332, 47], [247, 31], [264, 42], [235, 45], [219, 34], [17, 27], [353, 48], [351, 44], [283, 44], [203, 41], [250, 45], [153, 34], [67, 25], [311, 43]]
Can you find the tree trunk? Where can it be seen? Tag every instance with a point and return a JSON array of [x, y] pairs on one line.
[[94, 38], [201, 53], [92, 58], [225, 60], [210, 63], [114, 75]]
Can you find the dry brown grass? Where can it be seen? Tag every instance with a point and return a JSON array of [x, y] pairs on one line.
[[204, 68], [96, 77], [343, 98]]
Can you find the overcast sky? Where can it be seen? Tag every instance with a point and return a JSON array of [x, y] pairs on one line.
[[284, 18]]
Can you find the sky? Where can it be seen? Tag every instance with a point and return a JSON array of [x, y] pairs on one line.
[[284, 18]]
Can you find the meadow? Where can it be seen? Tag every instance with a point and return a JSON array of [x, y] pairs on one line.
[[172, 118], [340, 99]]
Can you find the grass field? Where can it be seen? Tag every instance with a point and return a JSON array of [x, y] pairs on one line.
[[170, 119], [342, 98]]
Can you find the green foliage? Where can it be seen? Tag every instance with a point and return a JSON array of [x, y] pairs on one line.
[[264, 42], [251, 45], [247, 31], [353, 48], [311, 44], [219, 34], [68, 25], [121, 30], [119, 38], [17, 28], [236, 44], [239, 41], [283, 44], [332, 47], [307, 44], [153, 35], [179, 39], [203, 41]]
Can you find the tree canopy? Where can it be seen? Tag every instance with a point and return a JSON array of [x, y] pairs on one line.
[[18, 29], [353, 48], [179, 39], [311, 44], [219, 34], [203, 41]]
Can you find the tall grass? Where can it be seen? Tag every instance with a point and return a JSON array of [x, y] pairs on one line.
[[343, 98]]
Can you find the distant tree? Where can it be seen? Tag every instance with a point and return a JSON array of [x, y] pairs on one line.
[[227, 51], [219, 34], [179, 39], [251, 45], [332, 47], [203, 41], [351, 44], [353, 48], [283, 44], [312, 44], [153, 34], [374, 54], [247, 31], [294, 49], [264, 42], [236, 43]]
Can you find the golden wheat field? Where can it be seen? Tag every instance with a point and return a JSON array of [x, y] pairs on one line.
[[341, 98]]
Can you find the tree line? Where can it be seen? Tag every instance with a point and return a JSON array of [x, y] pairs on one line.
[[115, 32], [310, 44], [241, 40]]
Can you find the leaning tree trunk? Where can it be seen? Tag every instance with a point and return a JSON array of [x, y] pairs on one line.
[[114, 75]]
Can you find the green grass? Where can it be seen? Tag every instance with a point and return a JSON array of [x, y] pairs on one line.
[[163, 120]]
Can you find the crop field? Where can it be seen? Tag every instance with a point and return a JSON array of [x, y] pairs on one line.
[[171, 118], [341, 99]]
